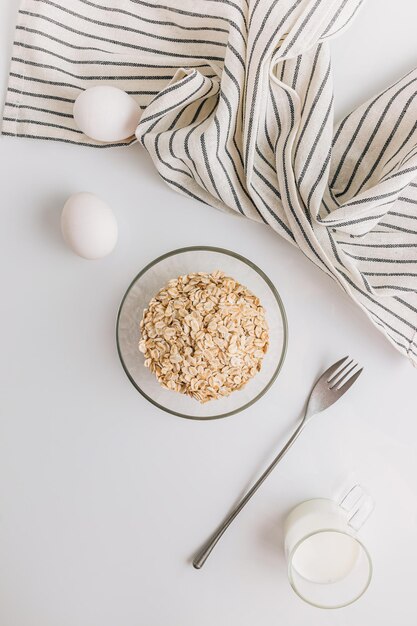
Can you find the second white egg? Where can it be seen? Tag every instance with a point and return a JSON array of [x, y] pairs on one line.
[[106, 113], [89, 226]]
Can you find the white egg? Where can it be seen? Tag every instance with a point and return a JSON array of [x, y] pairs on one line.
[[88, 226], [106, 113]]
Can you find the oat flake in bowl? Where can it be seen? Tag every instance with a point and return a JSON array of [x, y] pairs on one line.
[[204, 335]]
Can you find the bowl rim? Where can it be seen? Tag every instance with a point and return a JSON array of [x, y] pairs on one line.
[[277, 297]]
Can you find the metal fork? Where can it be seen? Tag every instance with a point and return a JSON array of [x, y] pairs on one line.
[[328, 389]]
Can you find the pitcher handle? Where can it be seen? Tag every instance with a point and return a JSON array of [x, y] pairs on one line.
[[358, 505]]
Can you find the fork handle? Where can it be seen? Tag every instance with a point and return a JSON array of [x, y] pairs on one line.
[[205, 551]]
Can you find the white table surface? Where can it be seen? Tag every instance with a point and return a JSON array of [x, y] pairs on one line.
[[104, 498]]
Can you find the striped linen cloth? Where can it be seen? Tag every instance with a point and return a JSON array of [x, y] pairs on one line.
[[238, 113]]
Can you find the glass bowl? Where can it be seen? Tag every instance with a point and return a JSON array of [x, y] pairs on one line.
[[150, 280]]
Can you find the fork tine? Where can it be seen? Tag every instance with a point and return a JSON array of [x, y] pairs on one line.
[[348, 384], [333, 368], [338, 373], [340, 380]]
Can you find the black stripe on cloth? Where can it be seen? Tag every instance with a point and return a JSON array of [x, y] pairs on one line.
[[232, 189], [404, 143], [311, 110], [340, 224], [77, 143], [232, 161], [273, 214], [40, 110], [405, 159], [405, 215], [188, 153], [123, 44], [173, 87], [363, 201], [396, 287], [310, 80], [156, 22], [162, 160], [267, 135], [229, 106], [110, 25], [394, 227], [345, 24], [381, 260], [267, 183], [334, 18], [195, 123], [161, 114], [342, 264], [315, 142], [323, 170], [264, 159], [208, 168], [296, 72], [54, 83], [253, 12], [409, 200], [406, 304], [103, 62], [334, 249], [40, 95], [300, 29], [97, 76], [184, 190], [378, 245], [49, 124], [63, 42], [407, 170], [155, 5], [410, 274]]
